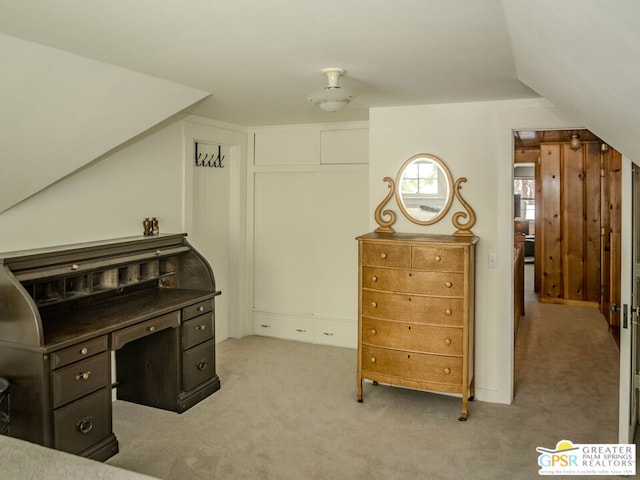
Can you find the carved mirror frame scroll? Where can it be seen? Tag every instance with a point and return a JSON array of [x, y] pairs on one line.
[[453, 189]]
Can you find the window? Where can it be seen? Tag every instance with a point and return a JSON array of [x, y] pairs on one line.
[[421, 178]]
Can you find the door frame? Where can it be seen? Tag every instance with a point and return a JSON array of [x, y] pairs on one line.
[[626, 428]]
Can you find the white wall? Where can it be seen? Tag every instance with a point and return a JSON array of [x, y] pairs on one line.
[[475, 141]]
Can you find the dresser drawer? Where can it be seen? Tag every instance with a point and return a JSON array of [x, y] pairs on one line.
[[386, 254], [80, 378], [121, 337], [197, 309], [413, 308], [437, 258], [198, 365], [412, 336], [78, 352], [84, 422], [414, 281], [414, 366], [197, 330]]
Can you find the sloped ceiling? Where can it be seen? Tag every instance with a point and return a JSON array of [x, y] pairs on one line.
[[61, 111], [584, 56], [260, 58], [102, 72]]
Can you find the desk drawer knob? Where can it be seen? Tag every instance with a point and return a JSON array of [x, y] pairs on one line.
[[447, 341], [448, 284], [152, 328], [374, 279], [372, 359], [201, 308], [85, 425], [448, 311], [83, 375], [74, 267], [437, 258], [84, 351], [447, 371], [383, 255], [201, 327]]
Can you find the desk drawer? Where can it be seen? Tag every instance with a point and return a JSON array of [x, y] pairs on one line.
[[78, 352], [198, 365], [197, 330], [82, 423], [197, 309], [80, 378], [121, 337]]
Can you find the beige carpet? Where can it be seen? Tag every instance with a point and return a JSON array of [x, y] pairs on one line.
[[287, 410]]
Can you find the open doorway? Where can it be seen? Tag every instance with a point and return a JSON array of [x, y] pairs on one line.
[[567, 202]]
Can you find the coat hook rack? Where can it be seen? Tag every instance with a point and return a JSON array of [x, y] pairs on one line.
[[209, 159]]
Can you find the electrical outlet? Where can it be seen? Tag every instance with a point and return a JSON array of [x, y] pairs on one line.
[[493, 260]]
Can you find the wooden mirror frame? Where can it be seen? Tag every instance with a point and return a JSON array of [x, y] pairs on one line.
[[463, 228]]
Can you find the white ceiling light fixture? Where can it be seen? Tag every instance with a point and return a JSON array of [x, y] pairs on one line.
[[333, 97]]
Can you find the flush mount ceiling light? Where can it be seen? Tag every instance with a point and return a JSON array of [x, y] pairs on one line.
[[333, 97]]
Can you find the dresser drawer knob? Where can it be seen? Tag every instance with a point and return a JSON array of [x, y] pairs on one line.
[[152, 328], [374, 331], [437, 258], [202, 365], [201, 308], [447, 341], [83, 375], [74, 267], [448, 311], [374, 279], [372, 359], [383, 255], [201, 327], [85, 425], [158, 252], [448, 284], [447, 370], [84, 351], [374, 304]]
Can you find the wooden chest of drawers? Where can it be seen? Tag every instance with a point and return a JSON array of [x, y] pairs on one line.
[[416, 312]]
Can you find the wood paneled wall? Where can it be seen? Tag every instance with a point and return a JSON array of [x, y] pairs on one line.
[[568, 223]]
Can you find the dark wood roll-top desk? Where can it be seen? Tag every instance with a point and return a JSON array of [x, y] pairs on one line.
[[64, 310]]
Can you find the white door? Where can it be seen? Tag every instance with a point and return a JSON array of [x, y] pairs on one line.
[[630, 290], [208, 229]]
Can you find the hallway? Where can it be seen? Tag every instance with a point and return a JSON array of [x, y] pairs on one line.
[[566, 359]]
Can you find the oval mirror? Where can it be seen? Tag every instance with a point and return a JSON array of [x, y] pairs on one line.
[[424, 189]]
